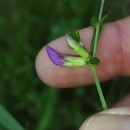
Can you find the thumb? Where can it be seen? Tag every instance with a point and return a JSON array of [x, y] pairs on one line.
[[112, 119]]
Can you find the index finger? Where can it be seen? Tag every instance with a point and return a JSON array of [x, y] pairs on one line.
[[113, 51]]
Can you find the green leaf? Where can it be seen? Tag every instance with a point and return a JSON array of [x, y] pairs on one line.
[[102, 19], [101, 23], [96, 25], [94, 60], [7, 121], [92, 41], [93, 21]]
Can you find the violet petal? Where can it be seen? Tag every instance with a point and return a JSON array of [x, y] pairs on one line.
[[54, 56], [67, 36]]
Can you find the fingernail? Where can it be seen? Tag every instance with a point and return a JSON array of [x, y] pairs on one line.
[[112, 119]]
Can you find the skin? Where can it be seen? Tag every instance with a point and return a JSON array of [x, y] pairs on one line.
[[114, 53]]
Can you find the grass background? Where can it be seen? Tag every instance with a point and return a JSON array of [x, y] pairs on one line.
[[25, 27]]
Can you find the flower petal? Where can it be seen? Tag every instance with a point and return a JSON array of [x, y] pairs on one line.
[[54, 56]]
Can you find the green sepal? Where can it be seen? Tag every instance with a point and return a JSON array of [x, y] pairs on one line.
[[79, 50], [82, 52], [74, 35], [74, 43], [72, 61]]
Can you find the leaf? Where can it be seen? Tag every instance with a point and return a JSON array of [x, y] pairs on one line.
[[94, 60], [101, 23], [7, 121], [93, 21], [102, 19], [96, 25], [92, 41]]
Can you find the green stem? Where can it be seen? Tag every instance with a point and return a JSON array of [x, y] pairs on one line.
[[97, 33], [103, 102], [101, 10]]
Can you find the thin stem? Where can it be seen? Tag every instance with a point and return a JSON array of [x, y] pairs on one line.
[[103, 102], [101, 10], [97, 33]]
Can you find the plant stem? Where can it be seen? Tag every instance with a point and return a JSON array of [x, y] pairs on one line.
[[96, 38], [101, 10], [103, 102], [97, 33]]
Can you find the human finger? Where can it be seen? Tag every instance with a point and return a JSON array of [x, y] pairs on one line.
[[111, 119]]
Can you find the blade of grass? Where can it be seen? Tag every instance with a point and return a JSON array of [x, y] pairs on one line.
[[8, 121], [48, 110]]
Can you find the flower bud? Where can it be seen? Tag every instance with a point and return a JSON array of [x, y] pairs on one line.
[[74, 42]]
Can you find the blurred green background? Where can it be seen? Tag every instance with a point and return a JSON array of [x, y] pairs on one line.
[[25, 27]]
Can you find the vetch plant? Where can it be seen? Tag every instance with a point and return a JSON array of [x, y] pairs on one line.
[[73, 42], [84, 57]]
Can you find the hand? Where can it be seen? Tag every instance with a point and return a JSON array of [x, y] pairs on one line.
[[114, 53]]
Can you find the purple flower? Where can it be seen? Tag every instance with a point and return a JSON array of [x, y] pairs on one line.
[[54, 56], [74, 42], [61, 60]]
